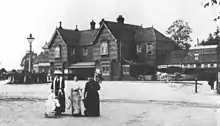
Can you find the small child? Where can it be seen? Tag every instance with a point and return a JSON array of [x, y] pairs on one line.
[[52, 106]]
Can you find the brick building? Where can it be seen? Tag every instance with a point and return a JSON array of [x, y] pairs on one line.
[[41, 62], [207, 58], [113, 48]]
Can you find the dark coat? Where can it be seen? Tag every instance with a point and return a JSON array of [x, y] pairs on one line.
[[60, 95], [91, 100]]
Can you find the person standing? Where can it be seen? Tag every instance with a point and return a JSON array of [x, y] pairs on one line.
[[75, 98], [58, 86], [91, 98]]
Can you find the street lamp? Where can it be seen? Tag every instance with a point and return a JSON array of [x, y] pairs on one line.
[[30, 40], [196, 55]]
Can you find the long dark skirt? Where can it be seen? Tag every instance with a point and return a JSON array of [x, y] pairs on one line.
[[61, 98], [91, 103]]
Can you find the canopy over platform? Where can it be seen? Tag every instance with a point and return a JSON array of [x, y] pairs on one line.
[[83, 65]]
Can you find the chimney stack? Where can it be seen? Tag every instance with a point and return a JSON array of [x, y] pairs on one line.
[[60, 25], [92, 25], [76, 28], [120, 19], [100, 23]]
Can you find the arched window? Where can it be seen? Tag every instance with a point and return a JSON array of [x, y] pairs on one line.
[[104, 48], [57, 52]]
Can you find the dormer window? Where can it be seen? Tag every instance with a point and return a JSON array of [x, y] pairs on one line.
[[139, 48], [104, 48], [57, 52], [85, 51]]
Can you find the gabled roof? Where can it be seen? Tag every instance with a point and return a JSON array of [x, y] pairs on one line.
[[145, 34], [87, 36], [70, 37], [42, 58], [176, 57], [149, 34], [45, 46], [122, 32]]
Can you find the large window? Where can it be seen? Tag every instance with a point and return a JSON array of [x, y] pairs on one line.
[[139, 48], [126, 69], [85, 51], [57, 52], [149, 49], [104, 48], [105, 70]]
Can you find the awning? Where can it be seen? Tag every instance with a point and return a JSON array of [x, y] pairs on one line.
[[83, 65]]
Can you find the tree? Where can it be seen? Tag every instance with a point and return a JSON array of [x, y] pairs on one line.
[[3, 70], [25, 60], [213, 39], [213, 3], [180, 32]]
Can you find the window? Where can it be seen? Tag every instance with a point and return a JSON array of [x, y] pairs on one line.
[[85, 51], [139, 48], [57, 52], [73, 52], [149, 49], [126, 69], [105, 70], [104, 48], [213, 65], [208, 65], [205, 65]]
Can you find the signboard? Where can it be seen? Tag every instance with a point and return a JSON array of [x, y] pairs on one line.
[[44, 64], [166, 66], [58, 64]]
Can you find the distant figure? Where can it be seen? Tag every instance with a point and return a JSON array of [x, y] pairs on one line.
[[91, 98], [211, 81], [98, 77], [57, 87], [75, 98]]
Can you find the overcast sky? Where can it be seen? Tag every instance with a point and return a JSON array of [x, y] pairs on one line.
[[41, 17]]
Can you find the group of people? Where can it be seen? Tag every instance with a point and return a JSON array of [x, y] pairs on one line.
[[77, 95]]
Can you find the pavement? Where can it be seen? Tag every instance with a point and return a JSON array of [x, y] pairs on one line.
[[123, 103], [124, 90]]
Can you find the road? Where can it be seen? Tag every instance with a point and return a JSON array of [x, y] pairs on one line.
[[122, 104]]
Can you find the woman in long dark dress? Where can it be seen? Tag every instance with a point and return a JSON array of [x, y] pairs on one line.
[[59, 89], [91, 98]]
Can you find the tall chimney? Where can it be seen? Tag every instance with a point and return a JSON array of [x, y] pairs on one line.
[[76, 28], [100, 23], [92, 25], [120, 19], [197, 41], [60, 25]]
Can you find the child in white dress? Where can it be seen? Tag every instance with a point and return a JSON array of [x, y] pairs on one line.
[[52, 106]]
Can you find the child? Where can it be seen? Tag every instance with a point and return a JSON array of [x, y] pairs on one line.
[[52, 106]]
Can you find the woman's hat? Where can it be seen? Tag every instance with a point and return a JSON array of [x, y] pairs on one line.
[[58, 72]]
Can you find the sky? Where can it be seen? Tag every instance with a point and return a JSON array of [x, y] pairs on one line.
[[19, 18]]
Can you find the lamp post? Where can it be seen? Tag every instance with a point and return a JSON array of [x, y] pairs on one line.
[[196, 55], [30, 40]]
